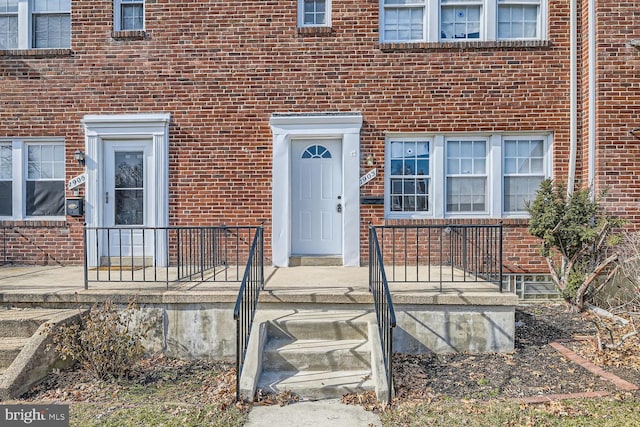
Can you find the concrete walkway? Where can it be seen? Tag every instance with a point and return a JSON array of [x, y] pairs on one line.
[[330, 413], [321, 284]]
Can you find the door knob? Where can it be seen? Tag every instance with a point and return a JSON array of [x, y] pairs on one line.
[[339, 207]]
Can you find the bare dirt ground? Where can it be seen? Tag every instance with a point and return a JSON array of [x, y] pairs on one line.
[[532, 369]]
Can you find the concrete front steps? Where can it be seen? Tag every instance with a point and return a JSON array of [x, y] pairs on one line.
[[315, 354], [23, 357]]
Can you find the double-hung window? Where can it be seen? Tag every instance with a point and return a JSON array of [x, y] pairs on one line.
[[524, 170], [404, 20], [32, 179], [51, 23], [466, 171], [519, 19], [409, 176], [464, 175], [129, 15], [314, 13], [8, 24], [460, 20], [6, 180], [35, 24]]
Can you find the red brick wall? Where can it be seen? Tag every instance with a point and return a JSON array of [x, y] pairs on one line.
[[222, 68], [618, 108]]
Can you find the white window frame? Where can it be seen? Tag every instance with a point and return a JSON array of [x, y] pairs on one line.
[[542, 13], [438, 172], [470, 174], [117, 14], [26, 15], [488, 19], [428, 176], [9, 178], [546, 165], [327, 18], [19, 177]]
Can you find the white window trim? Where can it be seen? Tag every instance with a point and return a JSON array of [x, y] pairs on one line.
[[437, 187], [547, 168], [489, 174], [488, 20], [19, 178], [117, 21], [301, 23], [25, 24], [387, 188]]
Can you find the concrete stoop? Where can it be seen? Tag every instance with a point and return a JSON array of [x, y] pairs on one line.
[[24, 360], [314, 354]]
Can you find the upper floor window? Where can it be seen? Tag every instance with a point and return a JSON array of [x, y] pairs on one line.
[[464, 175], [129, 15], [27, 24], [314, 13], [32, 175], [455, 20]]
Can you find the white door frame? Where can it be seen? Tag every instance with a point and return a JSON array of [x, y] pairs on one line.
[[154, 128], [288, 126]]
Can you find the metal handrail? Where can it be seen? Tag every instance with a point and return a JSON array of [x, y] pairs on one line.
[[198, 253], [4, 244], [433, 253], [383, 303], [247, 301]]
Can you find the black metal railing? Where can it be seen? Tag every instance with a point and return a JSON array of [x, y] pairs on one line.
[[4, 259], [385, 314], [165, 254], [247, 301], [442, 253]]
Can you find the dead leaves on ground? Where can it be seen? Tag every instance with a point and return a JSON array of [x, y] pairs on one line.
[[282, 398], [615, 344], [367, 400]]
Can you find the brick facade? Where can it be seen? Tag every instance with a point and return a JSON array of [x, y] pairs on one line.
[[222, 68]]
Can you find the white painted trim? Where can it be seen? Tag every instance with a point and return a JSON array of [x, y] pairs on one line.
[[343, 126], [327, 17], [152, 127], [437, 188], [117, 13]]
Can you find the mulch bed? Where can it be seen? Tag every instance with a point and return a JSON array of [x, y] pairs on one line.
[[533, 369]]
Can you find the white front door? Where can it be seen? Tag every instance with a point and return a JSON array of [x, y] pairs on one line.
[[126, 204], [316, 197]]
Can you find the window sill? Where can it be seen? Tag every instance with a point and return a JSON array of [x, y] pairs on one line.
[[130, 35], [54, 222], [466, 45], [315, 31], [36, 53]]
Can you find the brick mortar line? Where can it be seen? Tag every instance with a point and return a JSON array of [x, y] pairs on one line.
[[589, 366]]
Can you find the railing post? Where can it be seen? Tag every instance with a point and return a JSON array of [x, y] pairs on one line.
[[500, 256], [86, 266], [201, 254]]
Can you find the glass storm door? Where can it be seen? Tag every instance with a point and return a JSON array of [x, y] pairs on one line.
[[316, 197], [126, 206]]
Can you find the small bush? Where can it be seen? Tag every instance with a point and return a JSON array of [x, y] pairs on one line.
[[578, 240], [105, 343]]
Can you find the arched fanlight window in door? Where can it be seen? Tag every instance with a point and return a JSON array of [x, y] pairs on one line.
[[316, 152]]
